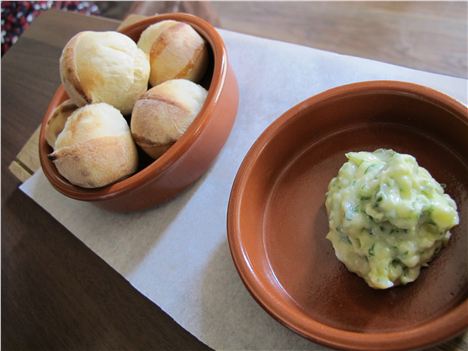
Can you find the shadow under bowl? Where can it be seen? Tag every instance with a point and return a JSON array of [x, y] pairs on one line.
[[184, 162], [277, 221]]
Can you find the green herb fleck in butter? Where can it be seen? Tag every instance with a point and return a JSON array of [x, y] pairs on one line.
[[387, 216]]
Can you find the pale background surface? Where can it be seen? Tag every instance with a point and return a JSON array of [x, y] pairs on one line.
[[177, 254]]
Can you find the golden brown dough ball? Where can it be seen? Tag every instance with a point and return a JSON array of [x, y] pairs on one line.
[[95, 147], [175, 50], [104, 67], [163, 114]]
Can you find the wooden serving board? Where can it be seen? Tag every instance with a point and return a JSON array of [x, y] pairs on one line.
[[27, 160]]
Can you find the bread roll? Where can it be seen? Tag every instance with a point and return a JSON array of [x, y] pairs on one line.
[[95, 147], [164, 113], [175, 50], [104, 67], [57, 121]]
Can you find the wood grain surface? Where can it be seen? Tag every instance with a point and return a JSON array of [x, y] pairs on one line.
[[430, 36], [56, 293], [426, 35]]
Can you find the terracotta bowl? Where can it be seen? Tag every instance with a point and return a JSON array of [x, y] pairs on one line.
[[277, 220], [188, 159]]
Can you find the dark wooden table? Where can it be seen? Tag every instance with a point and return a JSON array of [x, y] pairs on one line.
[[56, 293]]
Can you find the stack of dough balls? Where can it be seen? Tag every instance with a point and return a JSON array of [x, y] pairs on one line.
[[106, 76]]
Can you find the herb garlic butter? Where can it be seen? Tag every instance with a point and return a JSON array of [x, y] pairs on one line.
[[387, 216]]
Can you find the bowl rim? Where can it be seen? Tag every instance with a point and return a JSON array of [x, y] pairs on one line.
[[176, 152], [448, 325]]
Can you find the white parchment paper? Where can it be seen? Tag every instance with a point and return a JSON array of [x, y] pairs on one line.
[[177, 254]]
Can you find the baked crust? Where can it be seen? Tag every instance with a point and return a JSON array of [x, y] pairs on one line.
[[176, 51], [97, 162], [57, 121], [163, 114], [104, 67], [154, 150], [69, 72]]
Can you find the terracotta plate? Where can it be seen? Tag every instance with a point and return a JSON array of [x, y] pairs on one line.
[[277, 220]]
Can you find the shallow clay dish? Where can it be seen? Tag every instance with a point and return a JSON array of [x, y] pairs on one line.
[[277, 220], [188, 159]]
